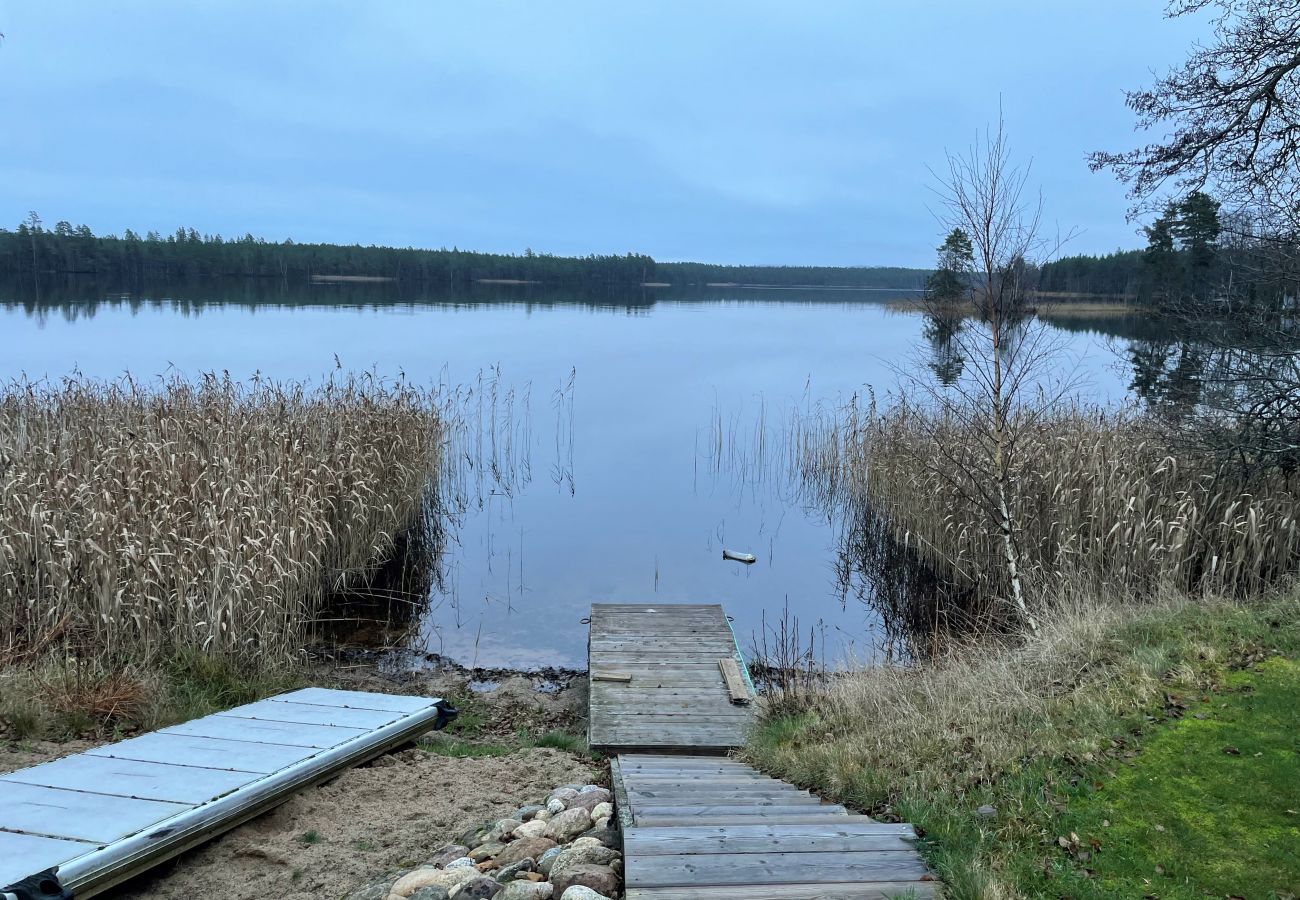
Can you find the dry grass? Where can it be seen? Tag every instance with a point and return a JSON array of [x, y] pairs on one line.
[[138, 521]]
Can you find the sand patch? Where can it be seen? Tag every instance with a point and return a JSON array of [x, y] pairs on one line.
[[328, 840]]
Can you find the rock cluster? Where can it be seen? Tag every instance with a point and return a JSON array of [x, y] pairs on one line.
[[561, 849]]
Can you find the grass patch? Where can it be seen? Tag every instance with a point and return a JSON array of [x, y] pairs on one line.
[[57, 701], [1030, 729], [1210, 806], [562, 740]]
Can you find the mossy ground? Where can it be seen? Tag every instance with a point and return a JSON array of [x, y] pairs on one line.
[[1209, 806]]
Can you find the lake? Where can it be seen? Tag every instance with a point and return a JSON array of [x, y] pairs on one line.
[[616, 494]]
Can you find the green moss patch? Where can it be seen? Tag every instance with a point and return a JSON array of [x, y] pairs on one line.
[[1209, 807]]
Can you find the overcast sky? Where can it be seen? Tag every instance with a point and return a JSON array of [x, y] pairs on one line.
[[746, 132]]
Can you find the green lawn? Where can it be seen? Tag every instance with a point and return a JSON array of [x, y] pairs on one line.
[[1210, 806]]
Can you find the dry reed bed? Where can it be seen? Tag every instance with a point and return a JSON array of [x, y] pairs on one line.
[[1095, 495], [136, 520]]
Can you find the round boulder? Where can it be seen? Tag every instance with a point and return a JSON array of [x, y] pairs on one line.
[[527, 890], [581, 892], [568, 824], [479, 887], [525, 848]]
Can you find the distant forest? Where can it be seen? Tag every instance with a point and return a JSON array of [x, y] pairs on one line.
[[1122, 273], [187, 255]]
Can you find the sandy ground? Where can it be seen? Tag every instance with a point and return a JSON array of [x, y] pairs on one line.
[[328, 840]]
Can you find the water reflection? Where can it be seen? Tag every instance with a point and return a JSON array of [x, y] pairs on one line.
[[578, 467]]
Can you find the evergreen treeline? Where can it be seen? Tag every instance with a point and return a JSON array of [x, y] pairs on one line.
[[1195, 256], [1119, 273], [187, 255]]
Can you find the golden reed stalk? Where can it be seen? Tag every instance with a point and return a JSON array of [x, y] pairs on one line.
[[139, 519]]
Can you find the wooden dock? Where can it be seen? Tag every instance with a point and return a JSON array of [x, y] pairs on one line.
[[100, 817], [698, 825], [657, 679]]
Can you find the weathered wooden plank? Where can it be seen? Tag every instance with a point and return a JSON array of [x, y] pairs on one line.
[[704, 796], [132, 778], [737, 809], [736, 685], [808, 818], [857, 890], [78, 815], [832, 836], [622, 806], [634, 759], [619, 677], [774, 868], [679, 713]]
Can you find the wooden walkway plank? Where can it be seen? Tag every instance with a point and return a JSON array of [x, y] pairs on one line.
[[897, 890], [708, 827], [677, 696]]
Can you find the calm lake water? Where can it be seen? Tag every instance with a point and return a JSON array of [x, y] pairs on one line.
[[621, 499]]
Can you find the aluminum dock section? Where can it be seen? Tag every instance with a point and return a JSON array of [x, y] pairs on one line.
[[87, 822]]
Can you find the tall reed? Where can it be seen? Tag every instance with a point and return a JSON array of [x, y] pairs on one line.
[[140, 519], [1096, 495]]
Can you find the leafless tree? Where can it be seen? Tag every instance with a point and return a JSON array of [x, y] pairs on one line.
[[1006, 384], [1232, 111]]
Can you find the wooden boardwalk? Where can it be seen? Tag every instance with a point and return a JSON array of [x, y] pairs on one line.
[[711, 828], [706, 827], [656, 681], [102, 816]]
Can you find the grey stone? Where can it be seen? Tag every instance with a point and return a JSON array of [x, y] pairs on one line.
[[607, 835], [581, 892], [580, 856], [472, 837], [446, 853], [555, 806], [462, 862], [525, 813], [527, 890], [376, 889], [509, 872], [601, 879], [501, 830], [486, 851], [525, 848], [432, 892], [533, 828], [568, 824], [588, 800], [547, 859], [987, 811], [480, 887]]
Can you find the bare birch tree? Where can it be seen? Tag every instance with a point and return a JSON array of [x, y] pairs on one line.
[[1006, 385]]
